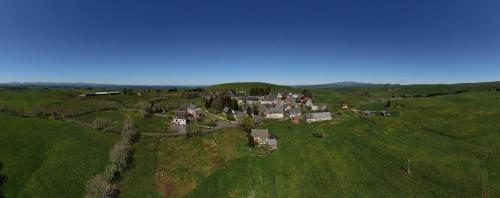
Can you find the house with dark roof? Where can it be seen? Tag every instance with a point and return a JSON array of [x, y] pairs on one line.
[[294, 112], [180, 118], [260, 136], [274, 113]]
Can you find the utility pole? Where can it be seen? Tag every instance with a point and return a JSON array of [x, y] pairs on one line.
[[408, 167]]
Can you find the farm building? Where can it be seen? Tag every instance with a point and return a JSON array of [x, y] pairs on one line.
[[273, 143], [385, 113], [367, 113], [180, 118], [275, 113], [260, 136], [314, 108], [316, 117], [344, 106], [100, 93]]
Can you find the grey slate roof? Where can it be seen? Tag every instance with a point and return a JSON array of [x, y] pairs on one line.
[[318, 115], [264, 133], [275, 110], [272, 142], [294, 111]]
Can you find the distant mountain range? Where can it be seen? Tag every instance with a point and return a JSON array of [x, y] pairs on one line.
[[97, 85], [84, 85], [344, 84]]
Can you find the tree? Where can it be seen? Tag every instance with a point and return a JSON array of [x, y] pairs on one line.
[[249, 111], [251, 141], [307, 93], [255, 110], [145, 108], [247, 123], [230, 115], [3, 179], [388, 104], [100, 187]]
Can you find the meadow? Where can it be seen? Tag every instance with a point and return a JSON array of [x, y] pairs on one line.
[[44, 157], [450, 142]]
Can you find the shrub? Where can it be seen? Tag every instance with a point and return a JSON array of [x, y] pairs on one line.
[[119, 155], [99, 186]]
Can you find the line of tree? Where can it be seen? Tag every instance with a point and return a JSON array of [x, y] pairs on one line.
[[260, 91], [102, 185]]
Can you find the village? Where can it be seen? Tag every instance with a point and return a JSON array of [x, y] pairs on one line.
[[227, 109]]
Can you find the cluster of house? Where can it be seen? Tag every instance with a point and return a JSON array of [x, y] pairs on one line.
[[190, 112], [262, 138], [279, 106], [100, 93]]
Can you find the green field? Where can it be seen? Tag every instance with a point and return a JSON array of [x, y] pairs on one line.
[[450, 139], [46, 158]]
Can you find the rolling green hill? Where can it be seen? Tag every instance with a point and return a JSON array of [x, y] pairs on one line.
[[450, 139], [247, 86], [46, 158]]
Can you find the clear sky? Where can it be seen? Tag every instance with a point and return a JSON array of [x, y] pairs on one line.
[[190, 42]]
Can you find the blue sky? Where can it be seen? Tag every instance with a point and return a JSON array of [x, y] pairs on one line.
[[286, 42]]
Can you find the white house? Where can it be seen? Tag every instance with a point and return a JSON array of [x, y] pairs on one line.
[[309, 102], [260, 136], [275, 113], [180, 118], [316, 117]]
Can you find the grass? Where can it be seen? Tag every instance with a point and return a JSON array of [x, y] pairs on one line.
[[450, 140], [140, 179], [367, 157], [50, 158]]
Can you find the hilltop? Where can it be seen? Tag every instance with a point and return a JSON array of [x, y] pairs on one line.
[[248, 85]]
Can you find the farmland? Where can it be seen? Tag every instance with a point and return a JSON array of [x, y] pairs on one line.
[[447, 135], [46, 157]]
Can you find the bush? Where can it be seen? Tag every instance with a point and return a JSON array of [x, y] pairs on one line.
[[251, 141], [247, 124], [119, 155], [99, 186]]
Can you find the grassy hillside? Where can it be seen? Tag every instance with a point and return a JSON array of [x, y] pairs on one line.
[[46, 158], [140, 179], [248, 85], [455, 157]]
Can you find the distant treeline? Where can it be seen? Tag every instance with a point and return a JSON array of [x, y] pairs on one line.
[[432, 94], [193, 93], [260, 91]]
